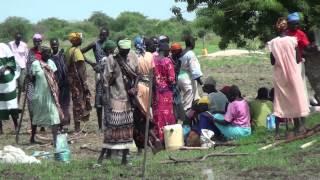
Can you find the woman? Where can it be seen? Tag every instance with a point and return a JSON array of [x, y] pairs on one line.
[[77, 77], [45, 100], [260, 108], [190, 74], [34, 55], [287, 81], [164, 79], [9, 73], [62, 79], [119, 79], [236, 121], [144, 49]]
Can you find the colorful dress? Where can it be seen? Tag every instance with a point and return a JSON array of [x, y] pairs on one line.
[[8, 84], [290, 100], [190, 70], [63, 84], [118, 117], [164, 79], [78, 85], [145, 65], [44, 108]]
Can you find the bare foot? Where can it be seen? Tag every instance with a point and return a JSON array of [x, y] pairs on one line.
[[277, 136]]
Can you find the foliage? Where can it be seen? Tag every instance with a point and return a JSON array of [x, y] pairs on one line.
[[128, 24], [12, 25], [239, 20]]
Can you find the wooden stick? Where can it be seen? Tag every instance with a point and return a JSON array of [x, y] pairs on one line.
[[201, 158], [308, 144], [185, 148]]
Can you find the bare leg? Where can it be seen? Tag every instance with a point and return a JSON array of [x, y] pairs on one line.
[[296, 123], [109, 153], [55, 129], [1, 129], [15, 121], [277, 121], [99, 115], [125, 152], [302, 127], [33, 133], [103, 151], [77, 126]]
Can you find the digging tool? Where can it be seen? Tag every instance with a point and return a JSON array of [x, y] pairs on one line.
[[22, 112], [148, 119]]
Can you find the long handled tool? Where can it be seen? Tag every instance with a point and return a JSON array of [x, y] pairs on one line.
[[148, 119], [21, 115]]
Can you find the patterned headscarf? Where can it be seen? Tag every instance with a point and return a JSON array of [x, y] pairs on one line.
[[75, 37], [139, 44]]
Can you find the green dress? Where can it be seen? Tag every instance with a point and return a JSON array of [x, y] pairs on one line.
[[45, 112]]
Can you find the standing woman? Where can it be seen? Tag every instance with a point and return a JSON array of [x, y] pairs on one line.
[[77, 76], [164, 79], [45, 101], [290, 99], [119, 78], [9, 73], [62, 79], [34, 55]]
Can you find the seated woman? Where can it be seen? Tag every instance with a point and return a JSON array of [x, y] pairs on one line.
[[260, 108], [236, 122]]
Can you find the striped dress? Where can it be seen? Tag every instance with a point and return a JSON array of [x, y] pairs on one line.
[[8, 83]]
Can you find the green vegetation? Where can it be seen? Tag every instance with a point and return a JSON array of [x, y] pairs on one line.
[[129, 24], [287, 161]]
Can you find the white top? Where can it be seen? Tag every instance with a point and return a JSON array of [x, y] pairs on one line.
[[20, 53]]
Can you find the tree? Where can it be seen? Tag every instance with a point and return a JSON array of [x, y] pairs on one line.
[[12, 25], [100, 19], [238, 20]]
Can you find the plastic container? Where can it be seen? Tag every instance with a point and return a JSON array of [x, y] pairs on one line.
[[63, 152], [173, 137]]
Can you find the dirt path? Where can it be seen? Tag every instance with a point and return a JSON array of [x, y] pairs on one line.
[[232, 52]]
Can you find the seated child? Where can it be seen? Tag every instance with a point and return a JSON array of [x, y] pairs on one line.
[[260, 108], [236, 121]]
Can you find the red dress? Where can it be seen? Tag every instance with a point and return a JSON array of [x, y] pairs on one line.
[[164, 78]]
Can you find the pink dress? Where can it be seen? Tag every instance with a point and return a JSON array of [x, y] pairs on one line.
[[164, 78], [290, 100]]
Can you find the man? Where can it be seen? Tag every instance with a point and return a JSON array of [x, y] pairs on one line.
[[8, 85], [62, 79], [190, 74], [20, 52], [98, 54], [119, 78], [77, 77]]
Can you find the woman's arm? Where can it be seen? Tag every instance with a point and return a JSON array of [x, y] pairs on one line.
[[272, 59], [87, 48]]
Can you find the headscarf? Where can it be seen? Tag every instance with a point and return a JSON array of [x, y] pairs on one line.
[[139, 44], [176, 46], [124, 44], [210, 81], [74, 37], [293, 17], [109, 44], [37, 36], [225, 90]]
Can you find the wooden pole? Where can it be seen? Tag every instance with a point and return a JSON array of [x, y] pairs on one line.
[[148, 119]]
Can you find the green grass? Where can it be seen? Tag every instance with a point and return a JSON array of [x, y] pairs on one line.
[[287, 161]]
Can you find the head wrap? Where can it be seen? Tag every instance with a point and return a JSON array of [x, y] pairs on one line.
[[124, 44], [75, 36], [164, 47], [109, 44], [293, 17], [210, 81], [164, 38], [176, 46], [37, 36], [225, 89], [139, 44]]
